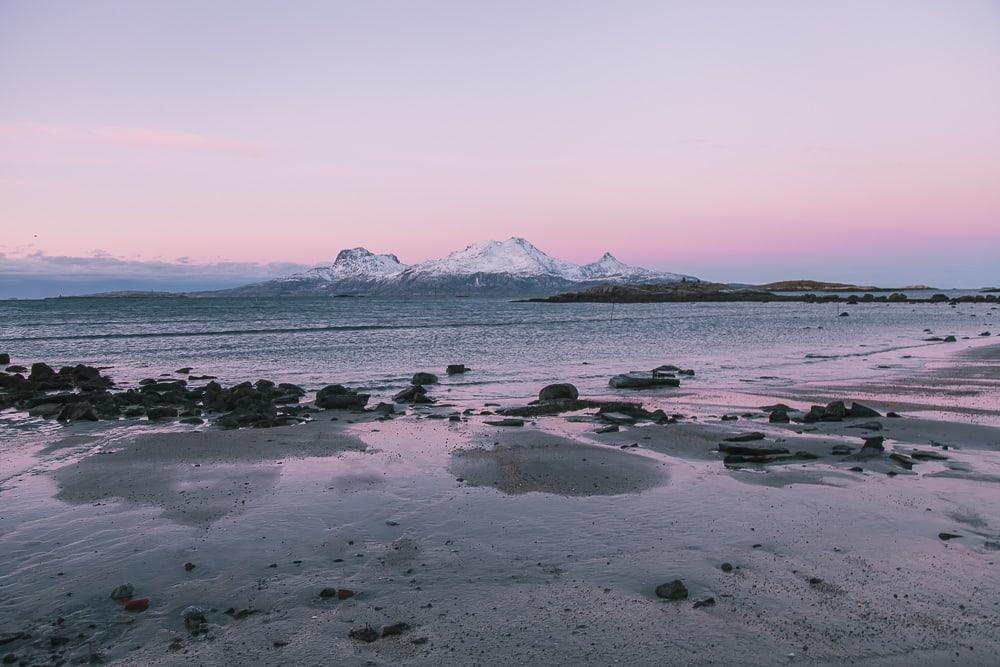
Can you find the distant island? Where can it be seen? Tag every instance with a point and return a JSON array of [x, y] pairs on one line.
[[717, 292], [818, 286], [127, 294]]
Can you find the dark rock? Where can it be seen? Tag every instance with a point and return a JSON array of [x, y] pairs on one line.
[[948, 536], [164, 412], [188, 567], [4, 358], [456, 369], [707, 602], [726, 567], [844, 314], [673, 590], [858, 410], [366, 634], [395, 629], [41, 371], [122, 592], [746, 437], [339, 397], [423, 378], [17, 369], [327, 593], [184, 371], [873, 447], [510, 421], [558, 391], [612, 428], [641, 380], [921, 455], [777, 406], [384, 409], [949, 339], [79, 411], [413, 394], [729, 418], [903, 460], [868, 426], [194, 421], [194, 619], [835, 411], [778, 417], [893, 415], [841, 450]]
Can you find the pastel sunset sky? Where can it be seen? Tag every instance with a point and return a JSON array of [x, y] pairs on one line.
[[745, 141]]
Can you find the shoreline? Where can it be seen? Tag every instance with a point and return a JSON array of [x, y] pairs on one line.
[[540, 543]]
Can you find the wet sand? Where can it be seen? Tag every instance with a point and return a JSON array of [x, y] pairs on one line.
[[540, 544]]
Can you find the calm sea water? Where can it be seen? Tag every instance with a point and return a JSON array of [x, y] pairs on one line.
[[513, 348]]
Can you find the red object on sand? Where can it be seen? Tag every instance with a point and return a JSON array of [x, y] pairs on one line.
[[343, 593], [138, 604]]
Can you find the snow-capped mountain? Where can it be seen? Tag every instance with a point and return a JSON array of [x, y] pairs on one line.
[[352, 264], [513, 267]]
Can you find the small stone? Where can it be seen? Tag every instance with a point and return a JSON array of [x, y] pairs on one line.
[[726, 567], [188, 567], [707, 602], [948, 536], [673, 590]]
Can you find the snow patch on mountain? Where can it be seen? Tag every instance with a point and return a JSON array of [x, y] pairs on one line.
[[515, 256], [353, 264]]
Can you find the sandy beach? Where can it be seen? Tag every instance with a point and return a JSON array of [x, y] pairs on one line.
[[462, 542]]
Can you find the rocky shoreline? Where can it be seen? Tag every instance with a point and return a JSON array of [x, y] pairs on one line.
[[719, 293], [416, 531]]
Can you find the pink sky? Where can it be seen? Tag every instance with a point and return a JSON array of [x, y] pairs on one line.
[[697, 137]]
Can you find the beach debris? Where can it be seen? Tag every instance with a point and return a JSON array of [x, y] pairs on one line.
[[339, 593], [137, 604], [456, 369], [423, 378], [746, 437], [707, 602], [122, 592], [339, 397], [558, 391], [672, 590]]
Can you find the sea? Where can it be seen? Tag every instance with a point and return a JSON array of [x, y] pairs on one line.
[[511, 348]]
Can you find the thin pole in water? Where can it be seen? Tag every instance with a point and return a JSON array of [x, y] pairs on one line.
[[612, 311]]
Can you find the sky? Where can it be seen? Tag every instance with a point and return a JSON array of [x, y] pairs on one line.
[[147, 144]]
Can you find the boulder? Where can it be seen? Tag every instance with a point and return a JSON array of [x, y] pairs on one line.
[[873, 447], [642, 380], [778, 417], [4, 358], [857, 410], [456, 369], [40, 372], [339, 397], [423, 378], [78, 411], [413, 394], [557, 391], [161, 412], [746, 437]]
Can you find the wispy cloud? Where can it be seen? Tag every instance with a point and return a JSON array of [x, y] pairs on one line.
[[130, 138], [28, 262]]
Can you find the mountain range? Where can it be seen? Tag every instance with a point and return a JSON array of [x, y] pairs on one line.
[[513, 267]]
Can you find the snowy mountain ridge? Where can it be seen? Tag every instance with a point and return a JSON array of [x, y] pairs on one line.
[[510, 267]]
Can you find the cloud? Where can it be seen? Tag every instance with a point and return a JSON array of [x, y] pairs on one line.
[[27, 273], [129, 138]]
